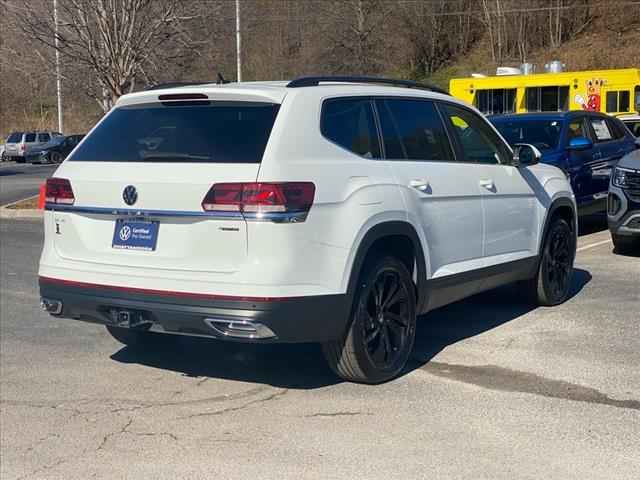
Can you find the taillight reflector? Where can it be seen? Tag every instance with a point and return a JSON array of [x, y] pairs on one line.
[[58, 190], [260, 197]]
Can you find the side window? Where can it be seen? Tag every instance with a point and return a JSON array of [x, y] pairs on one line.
[[576, 129], [617, 130], [350, 123], [479, 143], [44, 137], [413, 130], [29, 137], [600, 129]]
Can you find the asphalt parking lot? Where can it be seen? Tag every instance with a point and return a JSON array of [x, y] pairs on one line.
[[495, 390], [19, 180]]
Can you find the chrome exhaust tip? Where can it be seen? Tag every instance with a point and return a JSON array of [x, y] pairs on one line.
[[239, 328], [54, 307]]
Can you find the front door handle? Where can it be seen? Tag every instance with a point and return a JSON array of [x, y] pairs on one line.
[[488, 184], [420, 184]]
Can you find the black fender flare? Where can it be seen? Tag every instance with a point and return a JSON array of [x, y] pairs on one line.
[[387, 229], [555, 204]]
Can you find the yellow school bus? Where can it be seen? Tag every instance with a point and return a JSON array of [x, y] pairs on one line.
[[610, 91]]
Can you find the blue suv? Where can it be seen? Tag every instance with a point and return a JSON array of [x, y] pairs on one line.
[[585, 145]]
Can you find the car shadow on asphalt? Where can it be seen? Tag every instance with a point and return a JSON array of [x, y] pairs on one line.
[[302, 366]]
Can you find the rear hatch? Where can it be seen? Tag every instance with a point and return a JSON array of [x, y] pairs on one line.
[[12, 145], [144, 172]]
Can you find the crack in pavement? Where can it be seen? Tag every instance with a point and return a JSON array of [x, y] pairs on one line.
[[135, 405], [337, 414], [122, 430], [44, 468], [273, 396], [502, 379]]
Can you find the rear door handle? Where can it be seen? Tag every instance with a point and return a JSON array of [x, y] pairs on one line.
[[487, 183], [420, 184]]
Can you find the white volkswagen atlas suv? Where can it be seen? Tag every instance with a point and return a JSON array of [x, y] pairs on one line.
[[327, 209]]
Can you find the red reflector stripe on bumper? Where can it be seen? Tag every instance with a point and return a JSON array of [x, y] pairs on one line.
[[167, 293]]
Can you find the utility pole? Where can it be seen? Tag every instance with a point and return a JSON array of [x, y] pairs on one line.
[[58, 82], [238, 43]]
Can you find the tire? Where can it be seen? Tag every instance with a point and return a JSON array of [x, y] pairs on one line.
[[380, 337], [623, 244], [55, 157], [552, 282], [129, 337]]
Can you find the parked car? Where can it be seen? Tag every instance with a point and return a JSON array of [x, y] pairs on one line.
[[623, 210], [327, 209], [55, 151], [20, 144], [585, 145], [632, 122]]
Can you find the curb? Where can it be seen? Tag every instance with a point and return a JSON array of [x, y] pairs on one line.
[[7, 212]]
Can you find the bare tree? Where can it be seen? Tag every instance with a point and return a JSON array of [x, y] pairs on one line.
[[119, 41]]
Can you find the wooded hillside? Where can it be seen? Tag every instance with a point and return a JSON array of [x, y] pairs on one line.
[[112, 47]]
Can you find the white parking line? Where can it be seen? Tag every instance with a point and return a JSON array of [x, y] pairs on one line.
[[592, 245]]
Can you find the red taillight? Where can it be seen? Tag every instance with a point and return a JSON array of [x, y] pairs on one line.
[[58, 190], [260, 198], [23, 147]]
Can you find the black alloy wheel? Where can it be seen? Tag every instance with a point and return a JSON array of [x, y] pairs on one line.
[[553, 280], [382, 328], [385, 319]]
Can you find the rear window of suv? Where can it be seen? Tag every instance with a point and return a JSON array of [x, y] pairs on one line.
[[185, 132], [15, 137]]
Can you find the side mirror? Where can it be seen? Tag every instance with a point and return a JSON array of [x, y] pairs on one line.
[[580, 143], [525, 154]]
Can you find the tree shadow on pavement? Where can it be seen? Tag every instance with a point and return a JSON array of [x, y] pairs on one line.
[[302, 366]]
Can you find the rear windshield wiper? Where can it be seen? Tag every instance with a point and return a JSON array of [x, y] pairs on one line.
[[172, 157]]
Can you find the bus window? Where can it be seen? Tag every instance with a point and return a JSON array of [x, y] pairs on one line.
[[495, 101], [618, 101], [547, 99], [637, 95]]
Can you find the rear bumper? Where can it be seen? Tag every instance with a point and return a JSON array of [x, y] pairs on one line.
[[292, 320]]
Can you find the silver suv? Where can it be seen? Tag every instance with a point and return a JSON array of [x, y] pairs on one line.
[[19, 144]]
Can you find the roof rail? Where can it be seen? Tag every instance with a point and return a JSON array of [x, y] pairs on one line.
[[315, 81]]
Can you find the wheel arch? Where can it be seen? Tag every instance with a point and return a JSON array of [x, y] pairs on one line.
[[566, 209], [392, 234]]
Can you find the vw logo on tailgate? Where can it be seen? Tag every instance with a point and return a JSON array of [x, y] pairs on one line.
[[130, 195]]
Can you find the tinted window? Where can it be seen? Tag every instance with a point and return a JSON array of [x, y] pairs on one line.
[[496, 101], [547, 99], [206, 132], [413, 130], [576, 129], [623, 105], [618, 101], [616, 128], [349, 122], [544, 134], [600, 129], [29, 137], [636, 95], [479, 143], [633, 126], [44, 137], [612, 101], [15, 137]]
